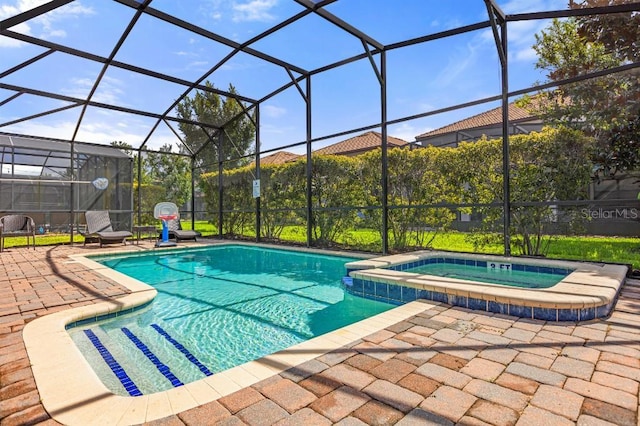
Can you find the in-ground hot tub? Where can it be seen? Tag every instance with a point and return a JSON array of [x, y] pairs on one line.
[[544, 289]]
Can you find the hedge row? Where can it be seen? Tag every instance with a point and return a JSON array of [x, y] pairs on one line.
[[427, 187]]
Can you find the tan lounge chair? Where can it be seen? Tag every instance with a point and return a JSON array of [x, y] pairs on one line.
[[99, 227], [176, 231]]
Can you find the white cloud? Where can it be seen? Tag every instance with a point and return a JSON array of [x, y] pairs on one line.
[[460, 60], [79, 87], [405, 131], [109, 91], [10, 42], [254, 10], [197, 65], [44, 26], [521, 38], [524, 6], [59, 130], [111, 127], [56, 34], [273, 111], [525, 55], [72, 10]]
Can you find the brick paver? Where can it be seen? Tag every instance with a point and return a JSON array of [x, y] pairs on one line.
[[419, 384], [580, 352], [443, 366], [483, 369], [393, 395], [491, 413], [444, 375], [305, 416], [287, 394], [558, 401], [340, 403], [615, 382], [241, 399], [602, 393], [498, 394], [534, 416], [393, 370], [212, 412], [348, 375], [448, 402], [377, 413], [263, 413], [609, 412], [619, 370], [573, 367], [535, 373]]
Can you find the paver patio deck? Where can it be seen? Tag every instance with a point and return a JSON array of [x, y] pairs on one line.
[[443, 366]]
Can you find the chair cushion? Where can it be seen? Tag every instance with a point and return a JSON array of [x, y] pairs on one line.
[[114, 235]]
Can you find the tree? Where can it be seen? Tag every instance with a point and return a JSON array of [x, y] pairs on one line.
[[334, 186], [618, 32], [128, 149], [210, 108], [416, 178], [547, 166], [600, 106], [172, 173]]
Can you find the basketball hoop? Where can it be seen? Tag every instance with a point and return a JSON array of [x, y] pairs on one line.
[[166, 211], [166, 217]]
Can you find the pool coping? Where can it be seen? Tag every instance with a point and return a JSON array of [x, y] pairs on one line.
[[590, 286], [72, 393]]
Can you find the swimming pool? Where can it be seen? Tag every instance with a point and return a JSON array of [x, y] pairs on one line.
[[216, 308], [543, 289]]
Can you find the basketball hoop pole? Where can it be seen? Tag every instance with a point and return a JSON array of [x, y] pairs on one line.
[[165, 231]]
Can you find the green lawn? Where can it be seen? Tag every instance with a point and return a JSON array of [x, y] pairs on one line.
[[43, 240], [597, 249]]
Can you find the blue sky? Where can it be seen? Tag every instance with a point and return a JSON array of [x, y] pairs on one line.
[[420, 78]]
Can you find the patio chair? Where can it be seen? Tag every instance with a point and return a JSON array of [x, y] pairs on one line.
[[17, 225], [99, 227], [176, 231]]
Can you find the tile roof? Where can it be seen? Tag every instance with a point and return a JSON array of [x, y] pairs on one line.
[[360, 143], [485, 119], [279, 157]]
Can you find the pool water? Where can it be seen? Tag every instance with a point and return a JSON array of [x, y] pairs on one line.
[[217, 308], [509, 277]]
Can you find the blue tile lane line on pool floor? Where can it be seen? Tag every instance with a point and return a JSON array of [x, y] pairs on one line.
[[162, 368], [182, 349], [124, 378]]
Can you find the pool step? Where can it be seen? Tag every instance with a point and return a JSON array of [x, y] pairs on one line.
[[143, 357], [162, 368], [182, 350], [117, 369]]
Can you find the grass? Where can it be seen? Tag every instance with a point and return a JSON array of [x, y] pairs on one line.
[[43, 240], [595, 249]]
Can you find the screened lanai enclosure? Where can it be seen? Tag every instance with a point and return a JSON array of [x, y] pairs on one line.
[[309, 122], [36, 180]]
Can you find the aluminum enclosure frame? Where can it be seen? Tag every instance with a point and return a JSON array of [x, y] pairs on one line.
[[497, 21]]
